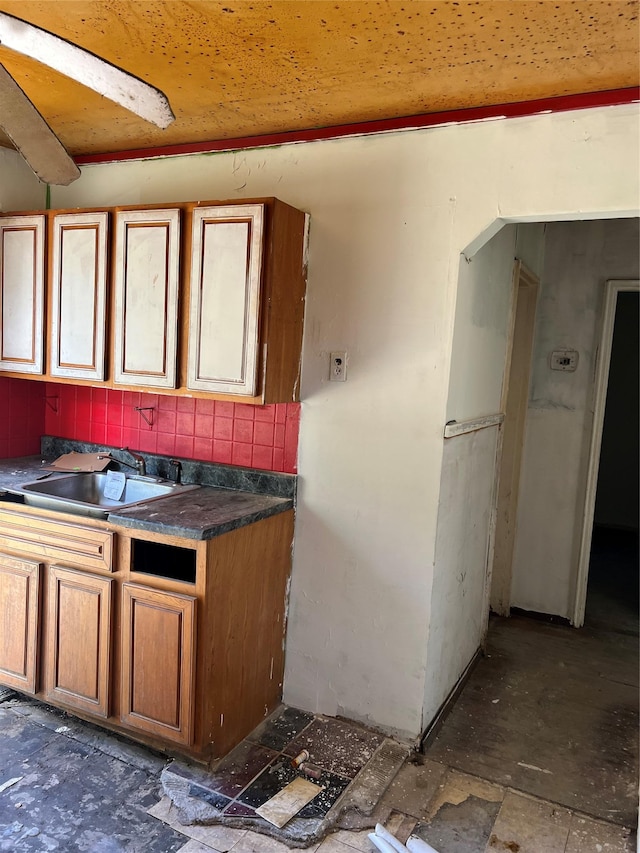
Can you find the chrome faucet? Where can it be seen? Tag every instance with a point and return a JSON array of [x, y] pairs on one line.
[[140, 465]]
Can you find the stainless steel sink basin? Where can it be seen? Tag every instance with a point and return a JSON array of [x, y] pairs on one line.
[[83, 494]]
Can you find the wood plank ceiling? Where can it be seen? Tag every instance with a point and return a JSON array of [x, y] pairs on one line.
[[235, 69]]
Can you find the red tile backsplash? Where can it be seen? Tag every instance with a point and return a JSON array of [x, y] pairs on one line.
[[211, 430], [22, 416]]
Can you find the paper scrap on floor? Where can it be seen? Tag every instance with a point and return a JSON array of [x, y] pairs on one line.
[[288, 802], [79, 462]]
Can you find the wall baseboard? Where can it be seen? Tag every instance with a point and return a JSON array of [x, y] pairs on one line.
[[551, 618], [444, 710]]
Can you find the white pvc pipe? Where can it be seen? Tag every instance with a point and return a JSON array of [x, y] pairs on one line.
[[382, 845], [383, 833], [417, 845]]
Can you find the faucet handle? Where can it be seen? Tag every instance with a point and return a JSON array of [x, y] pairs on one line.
[[175, 470], [140, 465]]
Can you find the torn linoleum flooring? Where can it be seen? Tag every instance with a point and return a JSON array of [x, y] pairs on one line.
[[351, 765], [67, 785]]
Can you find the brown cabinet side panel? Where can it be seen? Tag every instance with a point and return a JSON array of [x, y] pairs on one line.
[[19, 593], [158, 662], [78, 640], [283, 302], [249, 570]]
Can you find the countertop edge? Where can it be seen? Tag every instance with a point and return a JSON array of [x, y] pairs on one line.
[[23, 469], [198, 533]]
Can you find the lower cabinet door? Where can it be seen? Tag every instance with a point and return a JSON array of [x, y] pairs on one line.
[[19, 593], [78, 636], [158, 662]]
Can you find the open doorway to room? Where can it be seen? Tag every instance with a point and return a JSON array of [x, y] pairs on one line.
[[612, 591], [549, 711]]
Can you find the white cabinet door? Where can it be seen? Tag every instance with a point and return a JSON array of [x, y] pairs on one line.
[[226, 266], [146, 297], [22, 293], [79, 282]]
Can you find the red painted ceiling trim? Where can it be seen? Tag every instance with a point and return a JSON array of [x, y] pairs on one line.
[[609, 98]]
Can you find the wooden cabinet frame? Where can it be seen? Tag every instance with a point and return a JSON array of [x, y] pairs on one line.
[[22, 294], [146, 289], [78, 295], [273, 339], [79, 640], [158, 625], [20, 602], [226, 273], [188, 659]]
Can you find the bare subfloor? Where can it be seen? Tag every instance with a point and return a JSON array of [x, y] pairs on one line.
[[69, 786], [539, 755], [552, 711]]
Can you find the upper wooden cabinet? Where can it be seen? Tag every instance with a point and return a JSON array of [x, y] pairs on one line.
[[226, 267], [205, 299], [146, 297], [78, 294], [22, 293]]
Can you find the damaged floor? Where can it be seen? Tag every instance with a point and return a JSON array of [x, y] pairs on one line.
[[552, 712], [538, 755], [69, 786]]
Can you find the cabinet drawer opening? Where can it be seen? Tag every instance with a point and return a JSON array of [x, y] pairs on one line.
[[163, 561]]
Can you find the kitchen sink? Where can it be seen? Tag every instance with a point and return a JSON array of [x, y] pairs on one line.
[[83, 493]]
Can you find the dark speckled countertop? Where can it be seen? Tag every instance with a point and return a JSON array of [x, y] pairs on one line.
[[14, 472], [200, 514]]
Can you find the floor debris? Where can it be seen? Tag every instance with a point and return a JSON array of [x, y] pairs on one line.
[[289, 801], [10, 782]]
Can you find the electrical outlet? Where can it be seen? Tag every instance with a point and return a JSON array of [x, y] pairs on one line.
[[338, 366]]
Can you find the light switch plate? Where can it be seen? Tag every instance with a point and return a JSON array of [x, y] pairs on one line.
[[564, 359]]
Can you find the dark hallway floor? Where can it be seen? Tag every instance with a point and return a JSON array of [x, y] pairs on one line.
[[612, 592], [553, 712]]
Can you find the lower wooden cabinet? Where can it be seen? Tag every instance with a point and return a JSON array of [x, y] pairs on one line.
[[78, 640], [19, 594], [158, 666], [177, 643]]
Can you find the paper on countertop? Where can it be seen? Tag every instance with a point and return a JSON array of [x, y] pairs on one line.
[[79, 462], [287, 803]]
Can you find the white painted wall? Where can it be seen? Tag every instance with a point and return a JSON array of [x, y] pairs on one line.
[[390, 217], [459, 609], [19, 187], [579, 258], [480, 331], [467, 490], [530, 246]]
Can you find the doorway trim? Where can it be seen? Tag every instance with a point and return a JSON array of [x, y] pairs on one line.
[[601, 383], [515, 401]]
